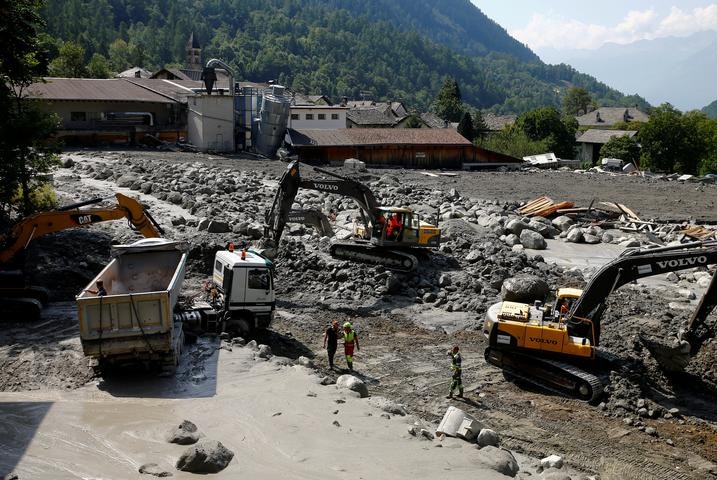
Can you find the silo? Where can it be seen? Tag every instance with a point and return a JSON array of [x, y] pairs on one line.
[[246, 106], [273, 117]]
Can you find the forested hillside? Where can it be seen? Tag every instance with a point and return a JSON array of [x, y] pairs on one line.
[[397, 49], [711, 110]]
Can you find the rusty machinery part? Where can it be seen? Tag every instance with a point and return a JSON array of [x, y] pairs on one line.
[[366, 253]]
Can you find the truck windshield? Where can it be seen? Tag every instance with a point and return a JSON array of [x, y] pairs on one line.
[[259, 279]]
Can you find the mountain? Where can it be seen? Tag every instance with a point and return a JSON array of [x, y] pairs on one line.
[[678, 70], [397, 49], [711, 110]]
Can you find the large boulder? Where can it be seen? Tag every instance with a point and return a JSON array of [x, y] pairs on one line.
[[207, 456], [516, 226], [186, 433], [575, 235], [498, 459], [352, 383], [534, 240], [488, 437], [524, 288], [563, 223]]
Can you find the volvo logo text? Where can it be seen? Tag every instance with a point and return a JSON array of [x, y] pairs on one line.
[[683, 262], [543, 340], [325, 186]]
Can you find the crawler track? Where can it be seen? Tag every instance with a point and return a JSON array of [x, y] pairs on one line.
[[367, 253]]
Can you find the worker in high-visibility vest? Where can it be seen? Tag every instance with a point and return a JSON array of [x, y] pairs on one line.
[[350, 339], [456, 381]]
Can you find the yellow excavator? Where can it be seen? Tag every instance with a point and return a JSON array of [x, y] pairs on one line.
[[386, 236], [553, 346], [21, 301]]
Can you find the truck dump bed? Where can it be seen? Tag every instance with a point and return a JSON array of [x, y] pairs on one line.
[[136, 317]]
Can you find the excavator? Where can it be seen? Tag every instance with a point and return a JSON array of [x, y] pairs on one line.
[[554, 346], [23, 301], [385, 236]]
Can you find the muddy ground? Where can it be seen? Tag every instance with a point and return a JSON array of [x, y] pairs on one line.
[[403, 354]]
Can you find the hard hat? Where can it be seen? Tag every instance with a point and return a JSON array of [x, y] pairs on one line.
[[347, 325]]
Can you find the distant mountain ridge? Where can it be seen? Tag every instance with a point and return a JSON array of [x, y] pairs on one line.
[[678, 70], [397, 49]]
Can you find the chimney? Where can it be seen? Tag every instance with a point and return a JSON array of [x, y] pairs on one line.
[[344, 101]]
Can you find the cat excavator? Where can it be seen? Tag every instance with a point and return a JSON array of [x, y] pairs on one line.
[[385, 235], [553, 346], [22, 301]]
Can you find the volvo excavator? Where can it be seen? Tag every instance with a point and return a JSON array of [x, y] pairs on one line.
[[19, 300], [386, 234], [550, 345]]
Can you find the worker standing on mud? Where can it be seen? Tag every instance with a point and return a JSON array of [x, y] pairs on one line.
[[456, 381], [350, 339], [331, 339]]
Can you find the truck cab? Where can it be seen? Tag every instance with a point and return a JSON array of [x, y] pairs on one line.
[[245, 289]]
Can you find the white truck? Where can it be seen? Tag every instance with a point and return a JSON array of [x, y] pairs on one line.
[[139, 319]]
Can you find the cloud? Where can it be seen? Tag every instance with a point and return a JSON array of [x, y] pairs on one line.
[[560, 33]]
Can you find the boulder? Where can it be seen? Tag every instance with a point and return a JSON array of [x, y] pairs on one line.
[[184, 434], [498, 459], [126, 180], [563, 223], [516, 226], [552, 461], [207, 456], [591, 239], [488, 437], [524, 288], [532, 239], [154, 470], [218, 226], [575, 235], [264, 351], [512, 240], [352, 383], [555, 474]]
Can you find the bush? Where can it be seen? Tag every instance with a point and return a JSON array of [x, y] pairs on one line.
[[42, 197]]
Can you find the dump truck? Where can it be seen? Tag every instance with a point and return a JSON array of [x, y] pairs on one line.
[[133, 318], [137, 316]]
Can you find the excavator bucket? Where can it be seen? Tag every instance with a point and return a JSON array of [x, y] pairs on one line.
[[673, 355]]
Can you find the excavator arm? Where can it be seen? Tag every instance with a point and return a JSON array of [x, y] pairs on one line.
[[73, 216], [278, 215], [636, 264]]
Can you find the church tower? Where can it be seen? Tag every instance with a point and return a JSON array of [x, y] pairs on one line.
[[194, 53]]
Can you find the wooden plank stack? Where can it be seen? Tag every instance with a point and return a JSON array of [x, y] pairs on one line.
[[543, 207]]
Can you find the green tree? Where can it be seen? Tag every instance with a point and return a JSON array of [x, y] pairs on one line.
[[673, 142], [623, 147], [70, 61], [465, 126], [577, 101], [414, 121], [25, 155], [513, 142], [119, 56], [546, 125], [98, 66], [448, 104], [479, 126]]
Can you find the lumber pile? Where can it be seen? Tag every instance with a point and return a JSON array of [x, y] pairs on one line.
[[543, 207], [699, 233]]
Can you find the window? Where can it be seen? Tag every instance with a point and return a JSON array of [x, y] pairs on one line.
[[334, 116], [259, 279], [78, 116], [309, 116], [217, 266], [322, 116], [294, 116]]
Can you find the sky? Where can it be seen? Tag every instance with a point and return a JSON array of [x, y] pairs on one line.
[[571, 24]]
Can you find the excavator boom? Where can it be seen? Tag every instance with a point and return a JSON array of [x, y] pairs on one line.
[[53, 221]]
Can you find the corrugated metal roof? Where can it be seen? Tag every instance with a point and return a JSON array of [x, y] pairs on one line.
[[370, 117], [595, 135], [89, 89], [377, 136]]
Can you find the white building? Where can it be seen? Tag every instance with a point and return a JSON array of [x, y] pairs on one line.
[[210, 122], [322, 117]]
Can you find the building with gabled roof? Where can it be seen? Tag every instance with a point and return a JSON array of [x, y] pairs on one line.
[[608, 117], [593, 139], [381, 147]]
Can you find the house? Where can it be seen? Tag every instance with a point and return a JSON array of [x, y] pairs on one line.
[[495, 123], [608, 117], [135, 72], [405, 147], [317, 116], [370, 118], [115, 110], [593, 139]]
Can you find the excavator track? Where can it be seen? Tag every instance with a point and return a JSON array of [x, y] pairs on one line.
[[557, 377], [367, 253]]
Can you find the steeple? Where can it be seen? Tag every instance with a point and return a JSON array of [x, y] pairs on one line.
[[194, 53]]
